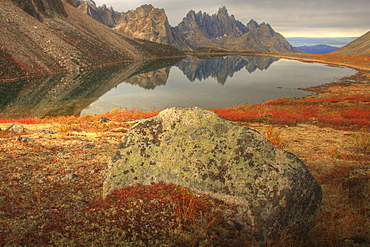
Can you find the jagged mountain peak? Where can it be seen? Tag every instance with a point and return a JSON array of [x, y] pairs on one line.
[[223, 13], [201, 16], [105, 8], [252, 24], [222, 10], [148, 7], [199, 29], [147, 11], [216, 26], [222, 30], [78, 3], [92, 2], [103, 14]]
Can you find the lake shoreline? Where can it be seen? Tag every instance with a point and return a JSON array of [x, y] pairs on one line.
[[157, 84], [355, 62], [324, 92]]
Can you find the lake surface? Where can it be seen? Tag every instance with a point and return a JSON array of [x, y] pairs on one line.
[[207, 83]]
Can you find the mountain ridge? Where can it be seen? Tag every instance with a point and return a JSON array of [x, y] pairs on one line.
[[103, 14], [317, 49], [223, 31], [219, 30]]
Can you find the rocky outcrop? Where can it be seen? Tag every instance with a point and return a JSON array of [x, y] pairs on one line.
[[265, 38], [42, 8], [65, 40], [16, 128], [223, 31], [201, 29], [149, 23], [145, 22], [273, 191], [106, 15]]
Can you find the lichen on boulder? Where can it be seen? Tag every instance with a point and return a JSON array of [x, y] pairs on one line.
[[273, 190]]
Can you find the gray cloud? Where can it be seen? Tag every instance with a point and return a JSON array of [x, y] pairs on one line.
[[289, 17]]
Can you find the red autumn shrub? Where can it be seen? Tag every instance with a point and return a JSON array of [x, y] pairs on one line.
[[21, 120], [356, 112]]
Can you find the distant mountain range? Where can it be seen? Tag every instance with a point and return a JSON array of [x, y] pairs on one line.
[[316, 49], [312, 41], [219, 30]]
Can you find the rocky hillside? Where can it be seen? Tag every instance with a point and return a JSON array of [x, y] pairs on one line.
[[52, 36], [358, 47], [41, 9], [223, 31]]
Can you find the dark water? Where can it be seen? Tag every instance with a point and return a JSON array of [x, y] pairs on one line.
[[207, 83]]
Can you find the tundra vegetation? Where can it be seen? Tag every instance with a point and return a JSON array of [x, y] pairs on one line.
[[51, 176]]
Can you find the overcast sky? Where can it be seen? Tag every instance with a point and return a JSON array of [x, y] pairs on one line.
[[291, 18]]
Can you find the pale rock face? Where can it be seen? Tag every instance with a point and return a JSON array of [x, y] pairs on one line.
[[146, 23], [149, 23], [274, 192]]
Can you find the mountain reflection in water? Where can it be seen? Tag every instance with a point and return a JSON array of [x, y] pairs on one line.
[[68, 94], [222, 67], [156, 84]]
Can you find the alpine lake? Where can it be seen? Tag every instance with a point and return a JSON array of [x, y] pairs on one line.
[[157, 84]]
